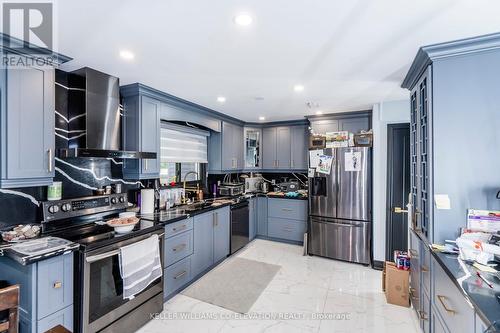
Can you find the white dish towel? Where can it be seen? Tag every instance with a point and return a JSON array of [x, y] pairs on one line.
[[140, 265]]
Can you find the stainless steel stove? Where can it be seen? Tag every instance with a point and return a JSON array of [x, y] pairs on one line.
[[99, 303]]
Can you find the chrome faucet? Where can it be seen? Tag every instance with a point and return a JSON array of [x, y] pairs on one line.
[[197, 186]]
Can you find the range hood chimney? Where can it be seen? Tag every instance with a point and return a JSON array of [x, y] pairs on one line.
[[93, 118]]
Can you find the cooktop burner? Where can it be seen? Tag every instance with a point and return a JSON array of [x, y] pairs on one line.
[[94, 235]]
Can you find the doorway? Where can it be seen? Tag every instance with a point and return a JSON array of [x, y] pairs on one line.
[[398, 187]]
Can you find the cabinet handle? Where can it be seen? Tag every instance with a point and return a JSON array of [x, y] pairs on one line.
[[422, 315], [424, 269], [412, 295], [287, 209], [278, 163], [441, 300], [179, 247], [181, 274], [145, 164], [414, 253], [57, 285], [216, 219], [291, 164], [49, 152], [182, 227]]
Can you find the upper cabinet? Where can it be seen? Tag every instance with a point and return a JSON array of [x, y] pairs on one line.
[[454, 90], [350, 123], [284, 148], [225, 149], [253, 148], [141, 132], [27, 125]]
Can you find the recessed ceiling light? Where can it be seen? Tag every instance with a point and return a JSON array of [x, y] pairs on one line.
[[262, 118], [243, 19], [319, 112], [221, 99], [298, 88], [127, 55]]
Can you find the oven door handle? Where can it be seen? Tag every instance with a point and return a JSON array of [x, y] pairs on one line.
[[101, 256]]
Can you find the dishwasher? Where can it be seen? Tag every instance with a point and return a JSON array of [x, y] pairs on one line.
[[240, 225]]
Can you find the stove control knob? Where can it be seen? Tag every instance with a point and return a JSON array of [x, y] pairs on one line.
[[122, 199], [53, 209], [114, 201], [66, 207]]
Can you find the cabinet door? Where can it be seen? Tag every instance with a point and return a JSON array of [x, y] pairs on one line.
[[299, 147], [437, 325], [203, 241], [415, 271], [269, 148], [239, 143], [221, 233], [150, 134], [424, 154], [30, 125], [228, 152], [262, 216], [354, 125], [252, 217], [63, 317], [283, 148]]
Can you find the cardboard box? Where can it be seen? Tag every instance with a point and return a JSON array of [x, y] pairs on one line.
[[395, 284]]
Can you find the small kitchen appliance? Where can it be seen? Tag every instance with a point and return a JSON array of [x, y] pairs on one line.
[[252, 184]]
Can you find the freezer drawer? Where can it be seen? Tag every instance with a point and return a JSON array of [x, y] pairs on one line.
[[340, 239]]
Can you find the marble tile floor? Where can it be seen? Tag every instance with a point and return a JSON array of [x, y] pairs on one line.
[[309, 294]]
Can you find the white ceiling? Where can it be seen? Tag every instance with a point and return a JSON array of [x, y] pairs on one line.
[[348, 54]]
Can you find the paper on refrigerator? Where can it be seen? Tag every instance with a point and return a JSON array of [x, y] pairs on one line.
[[325, 164], [352, 161], [314, 157]]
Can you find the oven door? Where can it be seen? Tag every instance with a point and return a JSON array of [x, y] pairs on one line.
[[103, 302]]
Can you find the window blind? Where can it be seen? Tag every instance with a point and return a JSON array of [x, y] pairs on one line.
[[183, 145]]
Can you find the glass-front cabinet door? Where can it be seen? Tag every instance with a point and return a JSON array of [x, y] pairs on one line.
[[253, 148]]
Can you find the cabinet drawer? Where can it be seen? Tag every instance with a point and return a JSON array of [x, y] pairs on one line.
[[178, 247], [177, 276], [62, 317], [286, 229], [54, 285], [447, 300], [178, 227], [288, 209]]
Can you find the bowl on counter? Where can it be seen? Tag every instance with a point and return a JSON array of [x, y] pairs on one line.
[[123, 224]]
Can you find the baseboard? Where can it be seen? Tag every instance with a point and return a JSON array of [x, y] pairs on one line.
[[378, 265]]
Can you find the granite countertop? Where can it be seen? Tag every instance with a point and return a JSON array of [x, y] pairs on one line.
[[280, 195], [485, 300], [179, 213]]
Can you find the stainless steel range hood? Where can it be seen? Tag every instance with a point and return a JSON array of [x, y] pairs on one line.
[[93, 118]]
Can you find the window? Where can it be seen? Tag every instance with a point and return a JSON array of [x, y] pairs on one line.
[[183, 150]]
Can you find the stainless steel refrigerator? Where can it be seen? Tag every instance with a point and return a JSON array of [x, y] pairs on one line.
[[340, 207]]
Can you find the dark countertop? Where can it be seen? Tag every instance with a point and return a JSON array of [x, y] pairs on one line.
[[176, 214], [485, 300], [276, 196]]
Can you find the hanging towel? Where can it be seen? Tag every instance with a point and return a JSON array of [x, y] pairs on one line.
[[140, 265]]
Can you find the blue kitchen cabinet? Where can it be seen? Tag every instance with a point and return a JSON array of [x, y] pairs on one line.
[[46, 298], [287, 219], [269, 148], [252, 212], [211, 239], [334, 123], [299, 147], [225, 149], [355, 124], [27, 127], [262, 216], [141, 132], [222, 234], [203, 241]]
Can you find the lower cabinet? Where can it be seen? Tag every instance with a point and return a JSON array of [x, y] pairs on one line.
[[437, 325], [46, 294], [252, 216], [177, 276], [211, 239], [262, 216], [287, 219], [286, 229]]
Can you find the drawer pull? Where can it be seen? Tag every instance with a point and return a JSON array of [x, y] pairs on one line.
[[182, 227], [441, 300], [57, 285], [288, 229], [425, 269], [287, 209], [181, 274], [179, 247], [422, 315], [414, 253]]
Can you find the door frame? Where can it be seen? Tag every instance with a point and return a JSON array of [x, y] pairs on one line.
[[388, 197]]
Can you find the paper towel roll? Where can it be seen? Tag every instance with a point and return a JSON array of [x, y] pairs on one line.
[[147, 201]]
